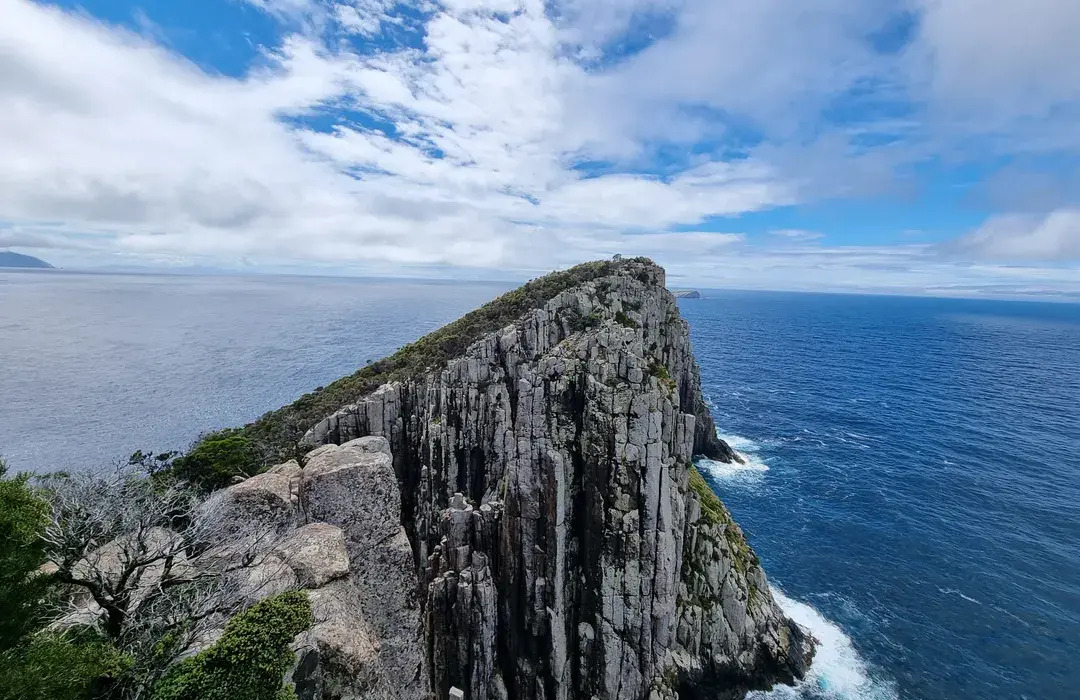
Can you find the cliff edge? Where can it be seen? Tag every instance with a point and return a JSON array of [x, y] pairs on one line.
[[563, 544], [566, 545]]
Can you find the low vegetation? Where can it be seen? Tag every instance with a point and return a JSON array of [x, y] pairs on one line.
[[714, 512], [276, 436], [23, 517], [75, 664], [249, 660], [218, 458], [125, 541]]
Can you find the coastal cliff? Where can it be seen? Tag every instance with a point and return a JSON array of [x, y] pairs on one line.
[[558, 542]]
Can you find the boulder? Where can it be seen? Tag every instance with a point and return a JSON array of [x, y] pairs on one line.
[[317, 554], [354, 487]]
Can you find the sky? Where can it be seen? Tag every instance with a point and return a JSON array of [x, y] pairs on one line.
[[897, 146]]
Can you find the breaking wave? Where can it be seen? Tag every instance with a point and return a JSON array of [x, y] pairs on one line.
[[838, 672], [751, 470]]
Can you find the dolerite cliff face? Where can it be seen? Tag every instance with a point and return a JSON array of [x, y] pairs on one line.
[[564, 546]]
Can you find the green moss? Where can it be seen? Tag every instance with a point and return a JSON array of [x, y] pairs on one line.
[[250, 659], [660, 371], [625, 320], [712, 509], [579, 323]]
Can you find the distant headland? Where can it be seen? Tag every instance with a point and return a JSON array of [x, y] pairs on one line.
[[686, 293], [9, 259]]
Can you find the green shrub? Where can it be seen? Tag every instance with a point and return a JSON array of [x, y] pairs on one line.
[[217, 458], [75, 665], [249, 661], [23, 518]]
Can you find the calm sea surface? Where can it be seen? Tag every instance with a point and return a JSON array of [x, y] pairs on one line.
[[913, 484]]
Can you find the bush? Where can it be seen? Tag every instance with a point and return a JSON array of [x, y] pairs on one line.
[[249, 661], [217, 458], [23, 518], [76, 665]]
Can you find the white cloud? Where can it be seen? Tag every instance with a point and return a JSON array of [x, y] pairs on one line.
[[105, 131], [1006, 57], [463, 150], [364, 17], [1055, 236], [992, 67], [798, 234]]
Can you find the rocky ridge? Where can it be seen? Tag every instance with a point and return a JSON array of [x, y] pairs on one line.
[[557, 541]]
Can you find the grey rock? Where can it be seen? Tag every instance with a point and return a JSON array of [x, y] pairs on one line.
[[317, 554], [257, 506], [338, 533], [543, 482], [353, 486]]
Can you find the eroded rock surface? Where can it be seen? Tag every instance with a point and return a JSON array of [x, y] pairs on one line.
[[338, 535], [557, 544]]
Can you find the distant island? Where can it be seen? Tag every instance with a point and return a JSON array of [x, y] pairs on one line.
[[686, 293], [9, 259]]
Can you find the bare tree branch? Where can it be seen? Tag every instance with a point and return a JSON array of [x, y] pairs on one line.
[[159, 573]]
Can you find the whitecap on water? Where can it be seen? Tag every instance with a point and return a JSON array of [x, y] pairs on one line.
[[739, 443], [838, 672], [752, 468]]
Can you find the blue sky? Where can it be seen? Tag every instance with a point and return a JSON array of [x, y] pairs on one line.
[[911, 146]]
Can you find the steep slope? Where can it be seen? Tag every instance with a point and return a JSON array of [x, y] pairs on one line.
[[565, 545]]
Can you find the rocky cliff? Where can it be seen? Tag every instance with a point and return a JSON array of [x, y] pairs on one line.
[[563, 545]]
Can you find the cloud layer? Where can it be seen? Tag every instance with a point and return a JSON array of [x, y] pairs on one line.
[[522, 135]]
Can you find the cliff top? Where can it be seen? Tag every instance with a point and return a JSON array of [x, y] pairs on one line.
[[282, 427]]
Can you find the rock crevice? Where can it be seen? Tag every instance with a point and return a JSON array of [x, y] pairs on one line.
[[560, 546]]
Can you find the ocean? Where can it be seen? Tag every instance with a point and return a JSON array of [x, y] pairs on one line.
[[912, 483]]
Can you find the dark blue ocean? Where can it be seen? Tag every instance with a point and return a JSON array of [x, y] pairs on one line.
[[913, 484]]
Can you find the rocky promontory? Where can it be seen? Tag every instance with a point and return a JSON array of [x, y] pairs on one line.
[[515, 513], [686, 293]]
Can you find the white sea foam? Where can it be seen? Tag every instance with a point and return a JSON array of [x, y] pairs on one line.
[[838, 672], [954, 591], [751, 469], [739, 443]]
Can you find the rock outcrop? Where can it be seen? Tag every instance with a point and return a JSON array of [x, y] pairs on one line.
[[686, 293], [336, 531], [547, 529]]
